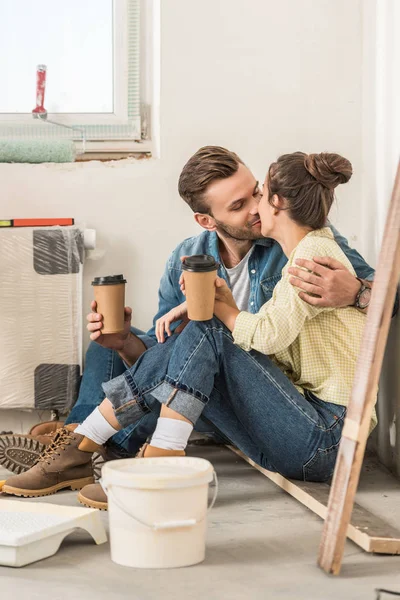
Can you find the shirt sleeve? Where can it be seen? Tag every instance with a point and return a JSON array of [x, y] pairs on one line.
[[275, 327], [362, 269]]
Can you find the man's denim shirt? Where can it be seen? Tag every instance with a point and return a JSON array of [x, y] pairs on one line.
[[265, 269]]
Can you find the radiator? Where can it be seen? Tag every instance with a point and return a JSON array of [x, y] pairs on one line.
[[40, 317]]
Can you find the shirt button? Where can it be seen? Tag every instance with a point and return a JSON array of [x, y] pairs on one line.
[[251, 303], [253, 271]]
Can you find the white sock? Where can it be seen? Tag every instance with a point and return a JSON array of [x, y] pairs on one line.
[[96, 428], [171, 434]]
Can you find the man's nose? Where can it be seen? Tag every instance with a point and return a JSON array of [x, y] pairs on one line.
[[254, 208]]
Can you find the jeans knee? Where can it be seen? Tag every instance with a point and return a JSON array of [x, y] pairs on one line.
[[211, 324], [94, 351]]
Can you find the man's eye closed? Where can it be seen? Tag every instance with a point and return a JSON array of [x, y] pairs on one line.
[[238, 207]]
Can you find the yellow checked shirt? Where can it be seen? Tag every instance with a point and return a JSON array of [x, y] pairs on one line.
[[317, 348]]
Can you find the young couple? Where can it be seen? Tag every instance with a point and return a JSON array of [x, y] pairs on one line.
[[272, 371]]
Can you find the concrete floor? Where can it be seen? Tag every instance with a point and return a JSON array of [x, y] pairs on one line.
[[262, 544]]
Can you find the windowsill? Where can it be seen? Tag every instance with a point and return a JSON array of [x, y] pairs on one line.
[[114, 150], [108, 156]]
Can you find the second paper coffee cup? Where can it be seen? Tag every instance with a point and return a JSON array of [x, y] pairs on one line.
[[109, 293], [200, 272]]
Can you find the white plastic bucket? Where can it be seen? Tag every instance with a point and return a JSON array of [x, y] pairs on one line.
[[158, 510]]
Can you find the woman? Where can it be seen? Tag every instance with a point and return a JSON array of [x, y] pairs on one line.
[[278, 381]]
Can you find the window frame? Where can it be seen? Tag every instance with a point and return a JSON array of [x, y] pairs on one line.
[[140, 50]]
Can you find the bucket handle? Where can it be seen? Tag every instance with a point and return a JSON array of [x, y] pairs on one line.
[[167, 524]]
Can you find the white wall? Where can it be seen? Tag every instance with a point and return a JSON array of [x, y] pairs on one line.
[[381, 117], [260, 77], [381, 150]]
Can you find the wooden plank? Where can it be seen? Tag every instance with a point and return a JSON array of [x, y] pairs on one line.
[[355, 433], [366, 530]]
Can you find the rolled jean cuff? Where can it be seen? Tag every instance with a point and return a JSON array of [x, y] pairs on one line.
[[128, 407], [186, 404]]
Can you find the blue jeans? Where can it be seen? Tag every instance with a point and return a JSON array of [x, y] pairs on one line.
[[101, 365], [244, 394]]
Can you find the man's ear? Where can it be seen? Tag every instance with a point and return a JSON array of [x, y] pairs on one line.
[[205, 221]]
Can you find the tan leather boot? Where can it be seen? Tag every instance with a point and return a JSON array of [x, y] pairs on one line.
[[44, 428], [19, 452], [66, 463], [93, 496]]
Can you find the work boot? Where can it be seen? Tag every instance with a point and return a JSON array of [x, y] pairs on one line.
[[66, 463], [19, 452], [45, 428], [93, 496]]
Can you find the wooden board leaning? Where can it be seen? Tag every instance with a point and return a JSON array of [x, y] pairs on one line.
[[368, 531], [356, 427]]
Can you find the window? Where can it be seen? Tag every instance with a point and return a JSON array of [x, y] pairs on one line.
[[95, 91]]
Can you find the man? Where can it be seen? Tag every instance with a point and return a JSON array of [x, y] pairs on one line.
[[223, 195]]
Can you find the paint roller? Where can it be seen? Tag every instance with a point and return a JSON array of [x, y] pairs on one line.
[[39, 150]]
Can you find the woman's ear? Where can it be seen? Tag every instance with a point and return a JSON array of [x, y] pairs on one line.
[[277, 203], [205, 221]]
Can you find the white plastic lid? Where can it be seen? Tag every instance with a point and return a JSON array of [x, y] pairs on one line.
[[157, 473]]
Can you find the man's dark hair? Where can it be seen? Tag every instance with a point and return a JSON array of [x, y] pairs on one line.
[[209, 164]]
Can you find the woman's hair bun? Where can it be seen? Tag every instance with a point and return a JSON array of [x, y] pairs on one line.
[[328, 169]]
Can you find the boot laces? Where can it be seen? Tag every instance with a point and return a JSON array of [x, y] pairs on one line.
[[51, 433], [62, 439]]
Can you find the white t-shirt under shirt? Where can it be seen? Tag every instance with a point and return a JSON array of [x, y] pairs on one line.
[[240, 282]]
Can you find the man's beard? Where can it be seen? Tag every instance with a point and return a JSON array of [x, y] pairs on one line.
[[238, 233]]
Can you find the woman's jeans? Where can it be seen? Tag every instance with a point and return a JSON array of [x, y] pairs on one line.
[[244, 394]]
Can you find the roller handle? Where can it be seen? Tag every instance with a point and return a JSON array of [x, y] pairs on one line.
[[40, 110]]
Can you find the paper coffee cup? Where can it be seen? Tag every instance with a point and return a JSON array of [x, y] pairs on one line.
[[109, 293], [200, 272]]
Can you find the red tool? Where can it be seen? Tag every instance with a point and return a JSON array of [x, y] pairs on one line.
[[40, 112], [35, 222]]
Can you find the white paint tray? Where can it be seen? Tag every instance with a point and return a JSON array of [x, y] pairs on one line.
[[31, 531]]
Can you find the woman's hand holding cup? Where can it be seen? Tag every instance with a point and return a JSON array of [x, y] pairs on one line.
[[223, 293], [197, 283]]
